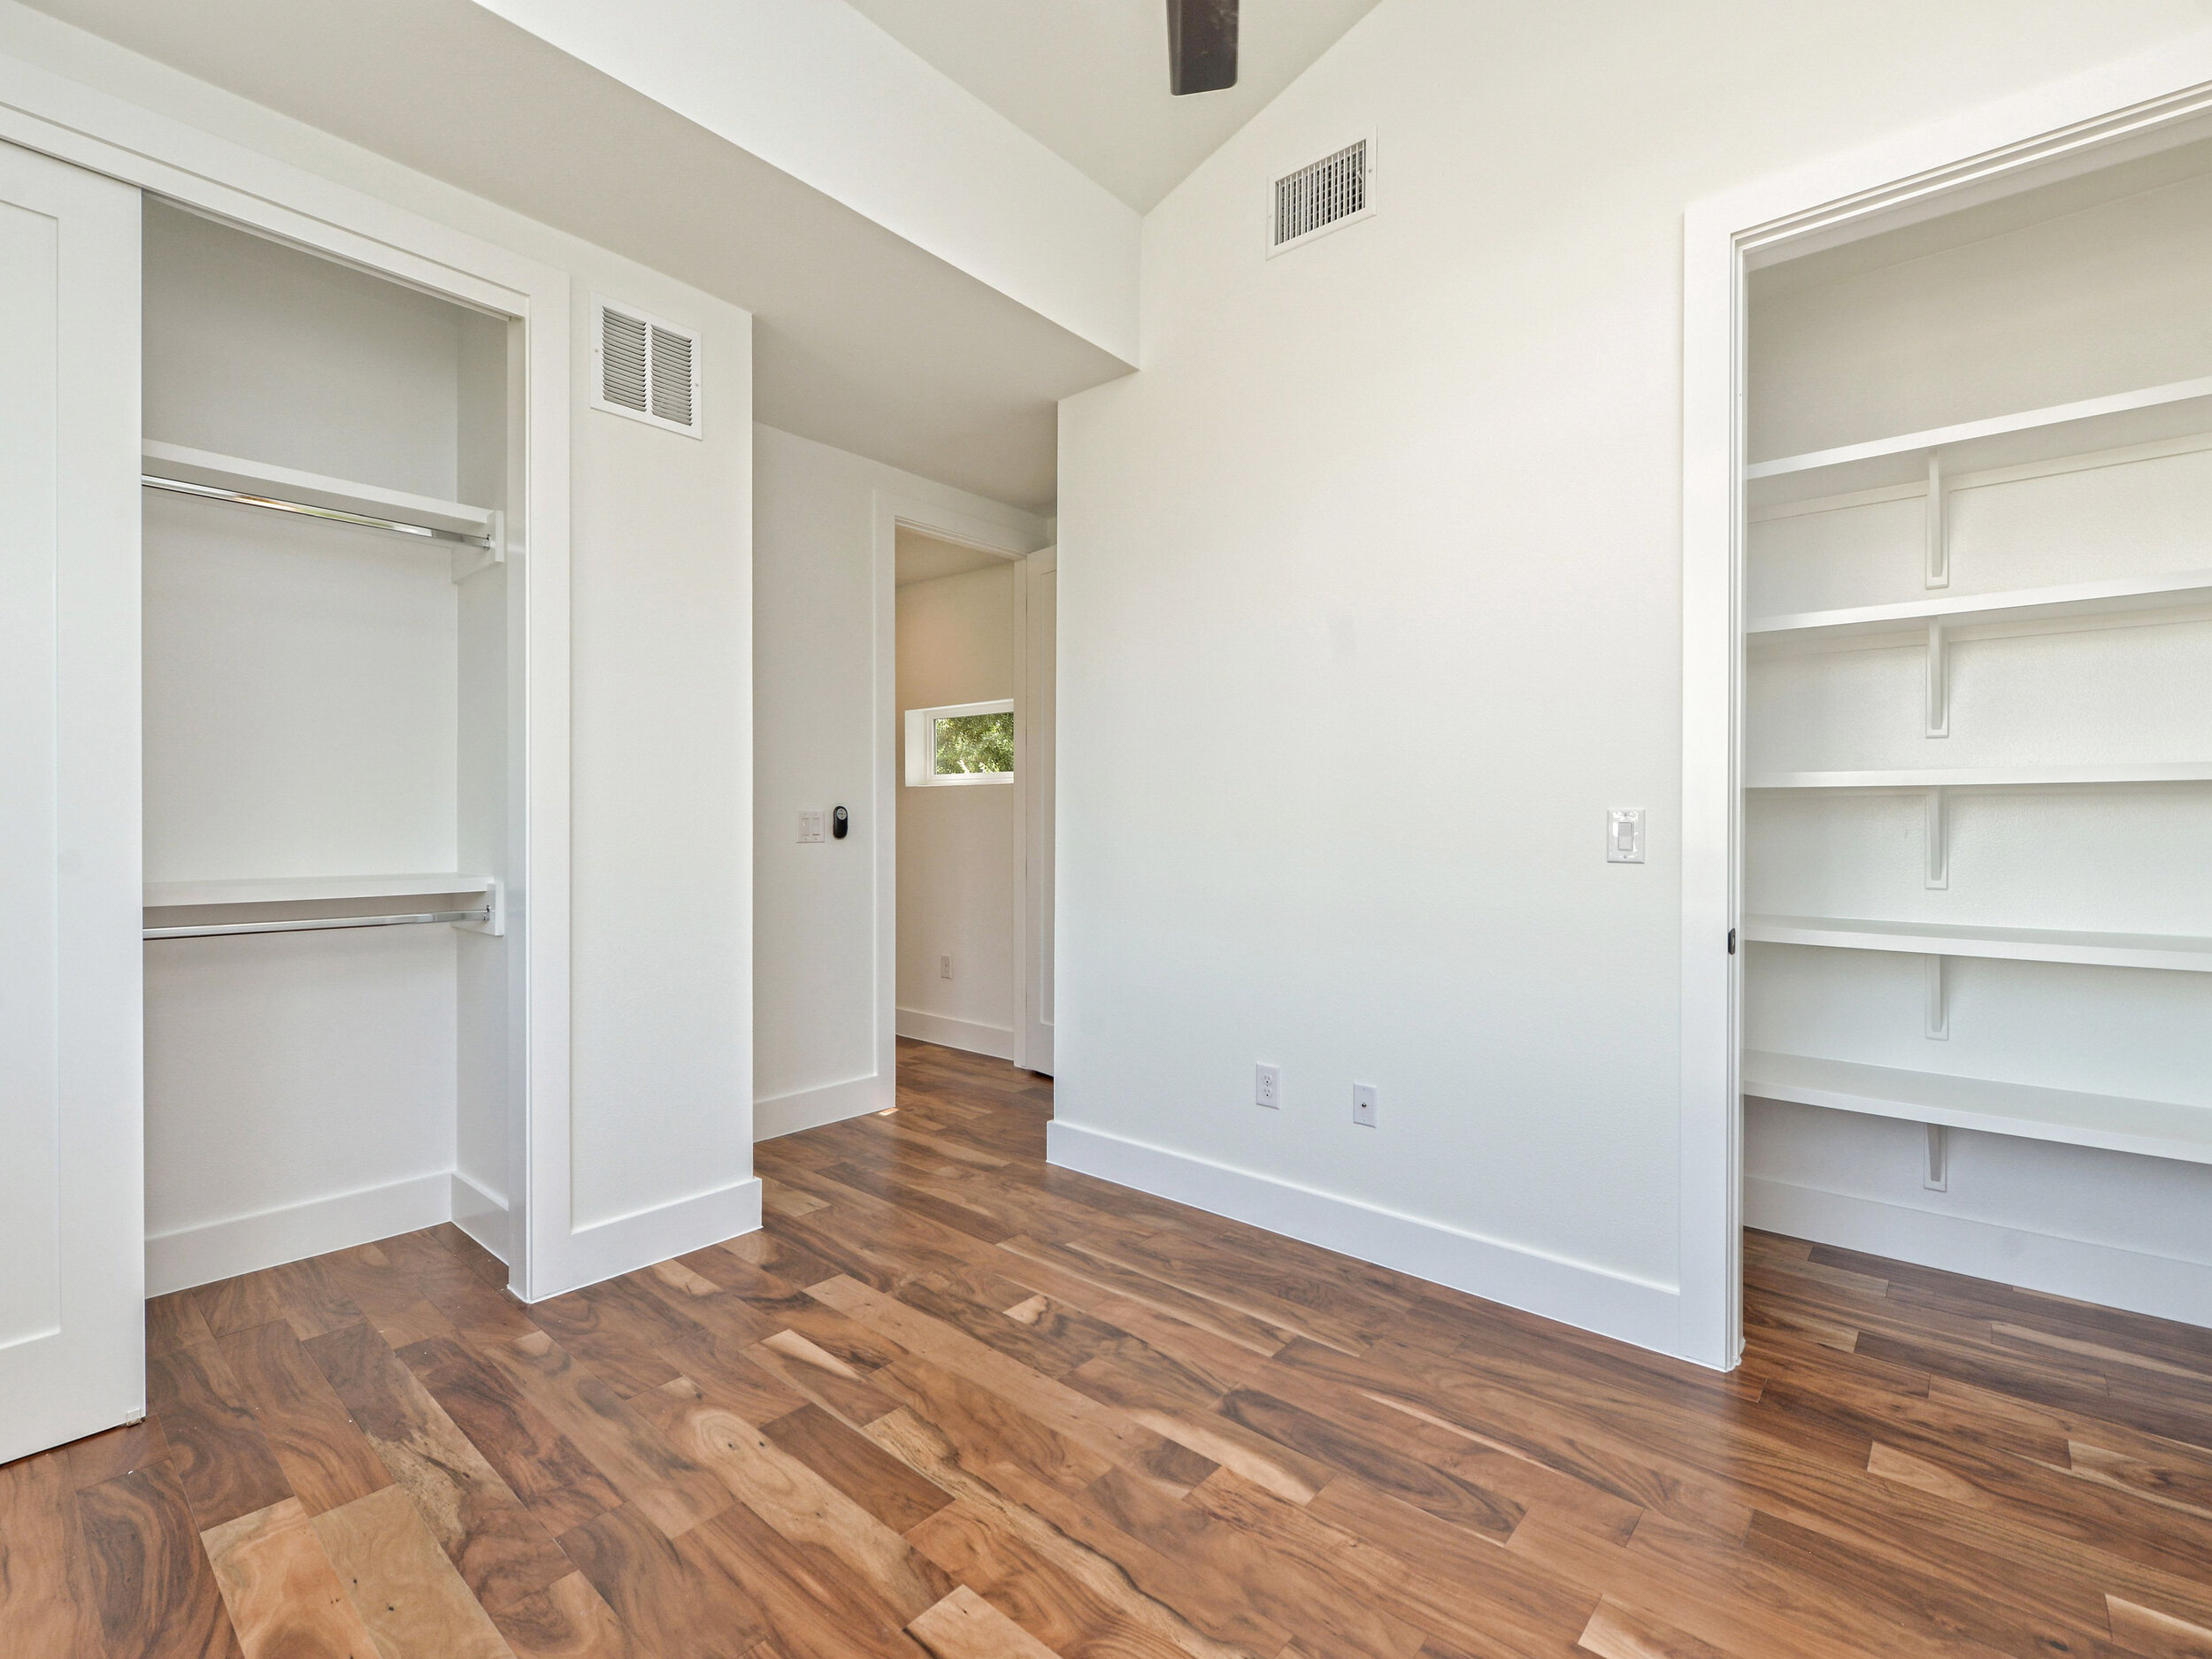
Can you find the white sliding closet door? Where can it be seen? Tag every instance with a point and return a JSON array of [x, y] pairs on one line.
[[72, 1180]]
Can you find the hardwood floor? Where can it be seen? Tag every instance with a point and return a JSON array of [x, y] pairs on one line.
[[951, 1401]]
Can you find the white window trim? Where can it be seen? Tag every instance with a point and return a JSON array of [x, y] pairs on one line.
[[921, 745]]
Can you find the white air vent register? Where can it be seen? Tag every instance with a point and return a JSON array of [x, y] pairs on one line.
[[1318, 197], [646, 369]]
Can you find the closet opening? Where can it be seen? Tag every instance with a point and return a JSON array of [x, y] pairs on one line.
[[331, 742], [1976, 632], [973, 676]]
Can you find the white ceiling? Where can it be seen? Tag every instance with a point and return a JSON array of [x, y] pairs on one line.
[[860, 340], [1089, 78], [923, 557]]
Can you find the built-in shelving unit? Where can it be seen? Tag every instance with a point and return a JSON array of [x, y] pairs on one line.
[[310, 889], [1988, 777], [2159, 1129], [2115, 596], [2010, 944], [2028, 435], [477, 530]]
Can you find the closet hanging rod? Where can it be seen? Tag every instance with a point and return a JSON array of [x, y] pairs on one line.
[[483, 913], [241, 498]]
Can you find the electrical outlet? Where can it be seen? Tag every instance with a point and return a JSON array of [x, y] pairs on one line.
[[944, 967], [1363, 1104], [809, 827], [1267, 1086]]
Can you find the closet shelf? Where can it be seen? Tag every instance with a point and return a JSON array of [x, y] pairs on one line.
[[2172, 951], [1988, 777], [2115, 595], [261, 484], [308, 889], [2141, 416], [2159, 1129]]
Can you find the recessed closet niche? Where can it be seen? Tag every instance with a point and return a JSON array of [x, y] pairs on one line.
[[1979, 736], [326, 749]]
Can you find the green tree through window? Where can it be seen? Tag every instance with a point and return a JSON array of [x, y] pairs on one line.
[[975, 742]]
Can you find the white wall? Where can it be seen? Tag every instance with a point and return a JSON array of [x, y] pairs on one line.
[[957, 851], [1387, 536], [661, 784], [817, 588], [1899, 334]]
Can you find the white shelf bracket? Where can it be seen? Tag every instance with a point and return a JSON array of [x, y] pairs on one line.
[[1939, 534], [494, 922], [1938, 682], [1939, 1003], [1936, 1177], [1939, 841], [470, 558]]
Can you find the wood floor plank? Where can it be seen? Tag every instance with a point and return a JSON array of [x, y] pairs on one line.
[[401, 1583], [951, 1401], [800, 1505], [150, 1578], [503, 1551], [284, 1598], [856, 1465], [568, 1619], [963, 1626], [49, 1603], [325, 1458], [542, 1465], [670, 1596], [638, 1461], [220, 1451]]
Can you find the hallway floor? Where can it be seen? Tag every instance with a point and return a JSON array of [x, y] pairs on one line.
[[951, 1401]]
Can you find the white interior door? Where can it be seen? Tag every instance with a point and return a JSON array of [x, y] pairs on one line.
[[72, 1256], [1042, 624]]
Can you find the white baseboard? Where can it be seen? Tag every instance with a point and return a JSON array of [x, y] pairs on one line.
[[811, 1107], [624, 1243], [1613, 1304], [973, 1035], [2163, 1285], [482, 1214], [201, 1255]]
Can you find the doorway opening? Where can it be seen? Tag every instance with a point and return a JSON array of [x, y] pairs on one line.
[[971, 927]]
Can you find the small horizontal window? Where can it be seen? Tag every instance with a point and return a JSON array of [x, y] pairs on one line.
[[963, 742]]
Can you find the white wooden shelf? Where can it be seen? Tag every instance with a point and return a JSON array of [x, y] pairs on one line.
[[288, 490], [2159, 1129], [2172, 951], [309, 889], [1988, 777], [2113, 596], [2141, 416]]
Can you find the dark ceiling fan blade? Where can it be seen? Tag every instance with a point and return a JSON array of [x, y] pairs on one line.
[[1202, 45]]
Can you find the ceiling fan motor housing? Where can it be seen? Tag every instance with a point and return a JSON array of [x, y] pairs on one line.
[[1202, 45]]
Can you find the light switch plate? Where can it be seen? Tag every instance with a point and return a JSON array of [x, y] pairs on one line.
[[1624, 835], [809, 827]]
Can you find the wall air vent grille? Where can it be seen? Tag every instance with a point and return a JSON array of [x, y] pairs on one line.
[[649, 369], [1329, 192]]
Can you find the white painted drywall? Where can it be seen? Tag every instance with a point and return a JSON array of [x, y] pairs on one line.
[[958, 847], [661, 780], [815, 697], [2105, 297], [816, 88], [1371, 609]]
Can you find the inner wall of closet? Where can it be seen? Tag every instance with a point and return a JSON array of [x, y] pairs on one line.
[[1977, 741], [325, 738]]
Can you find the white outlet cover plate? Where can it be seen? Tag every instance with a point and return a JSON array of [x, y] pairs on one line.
[[1366, 1104], [1267, 1087]]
